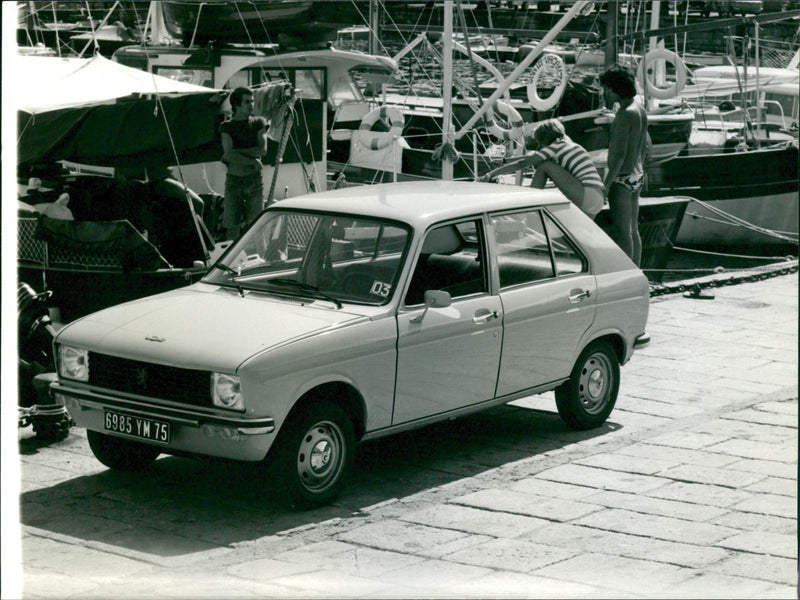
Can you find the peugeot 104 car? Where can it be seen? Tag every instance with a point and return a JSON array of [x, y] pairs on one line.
[[352, 314]]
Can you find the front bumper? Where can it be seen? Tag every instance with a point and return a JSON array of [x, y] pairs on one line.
[[192, 431]]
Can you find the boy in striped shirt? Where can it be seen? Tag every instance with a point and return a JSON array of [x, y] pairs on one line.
[[566, 163]]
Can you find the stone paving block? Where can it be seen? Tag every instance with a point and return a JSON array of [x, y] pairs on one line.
[[748, 521], [209, 586], [553, 509], [783, 407], [750, 431], [266, 569], [552, 489], [627, 463], [756, 450], [711, 495], [657, 506], [775, 485], [603, 479], [511, 555], [473, 520], [774, 544], [332, 584], [665, 403], [678, 455], [759, 566], [754, 415], [76, 560], [715, 585], [47, 584], [723, 477], [436, 575], [618, 573], [521, 585], [590, 539], [354, 560], [686, 439], [665, 528], [399, 536]]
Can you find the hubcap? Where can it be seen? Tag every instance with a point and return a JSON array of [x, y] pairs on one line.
[[320, 458], [595, 383]]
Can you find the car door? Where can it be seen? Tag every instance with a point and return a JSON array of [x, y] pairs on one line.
[[548, 297], [448, 357]]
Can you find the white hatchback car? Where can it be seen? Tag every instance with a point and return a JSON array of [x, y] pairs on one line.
[[353, 314]]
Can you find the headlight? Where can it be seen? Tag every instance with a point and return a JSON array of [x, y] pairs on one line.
[[226, 391], [73, 363]]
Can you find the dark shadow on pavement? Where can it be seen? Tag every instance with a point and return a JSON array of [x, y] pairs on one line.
[[182, 506]]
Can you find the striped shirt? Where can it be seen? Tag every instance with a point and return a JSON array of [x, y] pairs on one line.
[[574, 159]]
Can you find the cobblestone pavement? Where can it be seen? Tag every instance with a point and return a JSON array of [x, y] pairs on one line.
[[689, 491]]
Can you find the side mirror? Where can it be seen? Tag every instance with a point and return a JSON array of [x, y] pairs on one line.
[[433, 299]]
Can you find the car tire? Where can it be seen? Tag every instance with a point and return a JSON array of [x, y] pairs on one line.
[[315, 453], [586, 400], [120, 454]]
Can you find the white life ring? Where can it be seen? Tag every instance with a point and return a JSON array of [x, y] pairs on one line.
[[377, 140], [551, 65], [514, 119], [671, 91]]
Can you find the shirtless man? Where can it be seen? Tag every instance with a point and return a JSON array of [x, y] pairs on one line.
[[244, 142], [627, 152]]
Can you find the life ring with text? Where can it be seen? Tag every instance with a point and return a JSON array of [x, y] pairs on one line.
[[671, 91], [516, 129], [377, 140], [552, 67]]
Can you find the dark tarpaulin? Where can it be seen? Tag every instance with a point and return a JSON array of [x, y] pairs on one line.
[[131, 132]]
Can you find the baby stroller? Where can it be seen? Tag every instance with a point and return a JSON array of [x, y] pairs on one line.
[[36, 406]]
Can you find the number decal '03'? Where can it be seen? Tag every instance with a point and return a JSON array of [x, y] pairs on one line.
[[379, 288]]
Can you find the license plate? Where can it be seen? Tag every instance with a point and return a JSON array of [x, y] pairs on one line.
[[138, 427]]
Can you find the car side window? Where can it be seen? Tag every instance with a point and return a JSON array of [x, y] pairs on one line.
[[566, 256], [452, 260], [531, 247]]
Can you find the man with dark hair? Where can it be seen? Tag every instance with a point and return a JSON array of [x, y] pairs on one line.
[[627, 150], [244, 142]]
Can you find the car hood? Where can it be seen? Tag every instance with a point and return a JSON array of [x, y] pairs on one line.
[[202, 327]]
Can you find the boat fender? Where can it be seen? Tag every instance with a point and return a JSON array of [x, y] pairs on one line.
[[515, 131], [377, 140], [671, 91], [550, 66]]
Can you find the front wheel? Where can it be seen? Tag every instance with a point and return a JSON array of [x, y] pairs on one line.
[[586, 400], [315, 454], [120, 454]]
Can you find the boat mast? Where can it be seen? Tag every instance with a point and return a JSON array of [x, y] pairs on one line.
[[448, 132]]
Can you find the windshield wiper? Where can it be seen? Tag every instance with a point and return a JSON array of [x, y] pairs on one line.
[[234, 274], [313, 290]]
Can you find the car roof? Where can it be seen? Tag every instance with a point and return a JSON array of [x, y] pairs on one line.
[[422, 203]]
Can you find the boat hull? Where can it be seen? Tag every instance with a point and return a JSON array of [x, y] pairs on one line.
[[759, 187]]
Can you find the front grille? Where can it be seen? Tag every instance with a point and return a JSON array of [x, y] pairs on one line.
[[147, 379]]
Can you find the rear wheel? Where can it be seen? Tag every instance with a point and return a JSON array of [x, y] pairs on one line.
[[120, 454], [586, 400], [315, 454]]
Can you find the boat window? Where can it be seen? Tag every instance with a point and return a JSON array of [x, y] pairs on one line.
[[310, 83], [198, 76]]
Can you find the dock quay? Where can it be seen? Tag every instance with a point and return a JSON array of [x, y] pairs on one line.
[[688, 491]]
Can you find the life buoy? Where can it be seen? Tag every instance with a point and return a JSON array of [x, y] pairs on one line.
[[671, 91], [551, 66], [377, 140], [514, 119]]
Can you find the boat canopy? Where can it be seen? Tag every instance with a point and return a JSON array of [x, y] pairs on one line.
[[96, 111]]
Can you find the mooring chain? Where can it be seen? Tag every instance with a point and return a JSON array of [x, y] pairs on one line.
[[695, 288]]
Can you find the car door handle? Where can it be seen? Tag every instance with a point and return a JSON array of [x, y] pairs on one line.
[[484, 315], [577, 294]]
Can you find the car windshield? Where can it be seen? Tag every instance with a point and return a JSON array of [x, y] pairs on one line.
[[340, 258]]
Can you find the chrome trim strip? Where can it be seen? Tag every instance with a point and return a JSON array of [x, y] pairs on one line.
[[90, 400]]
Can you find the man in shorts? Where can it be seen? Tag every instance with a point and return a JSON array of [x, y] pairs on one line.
[[244, 142]]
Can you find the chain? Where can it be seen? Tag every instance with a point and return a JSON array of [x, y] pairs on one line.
[[695, 288]]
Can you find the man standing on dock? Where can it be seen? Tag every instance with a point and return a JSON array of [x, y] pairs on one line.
[[244, 142]]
